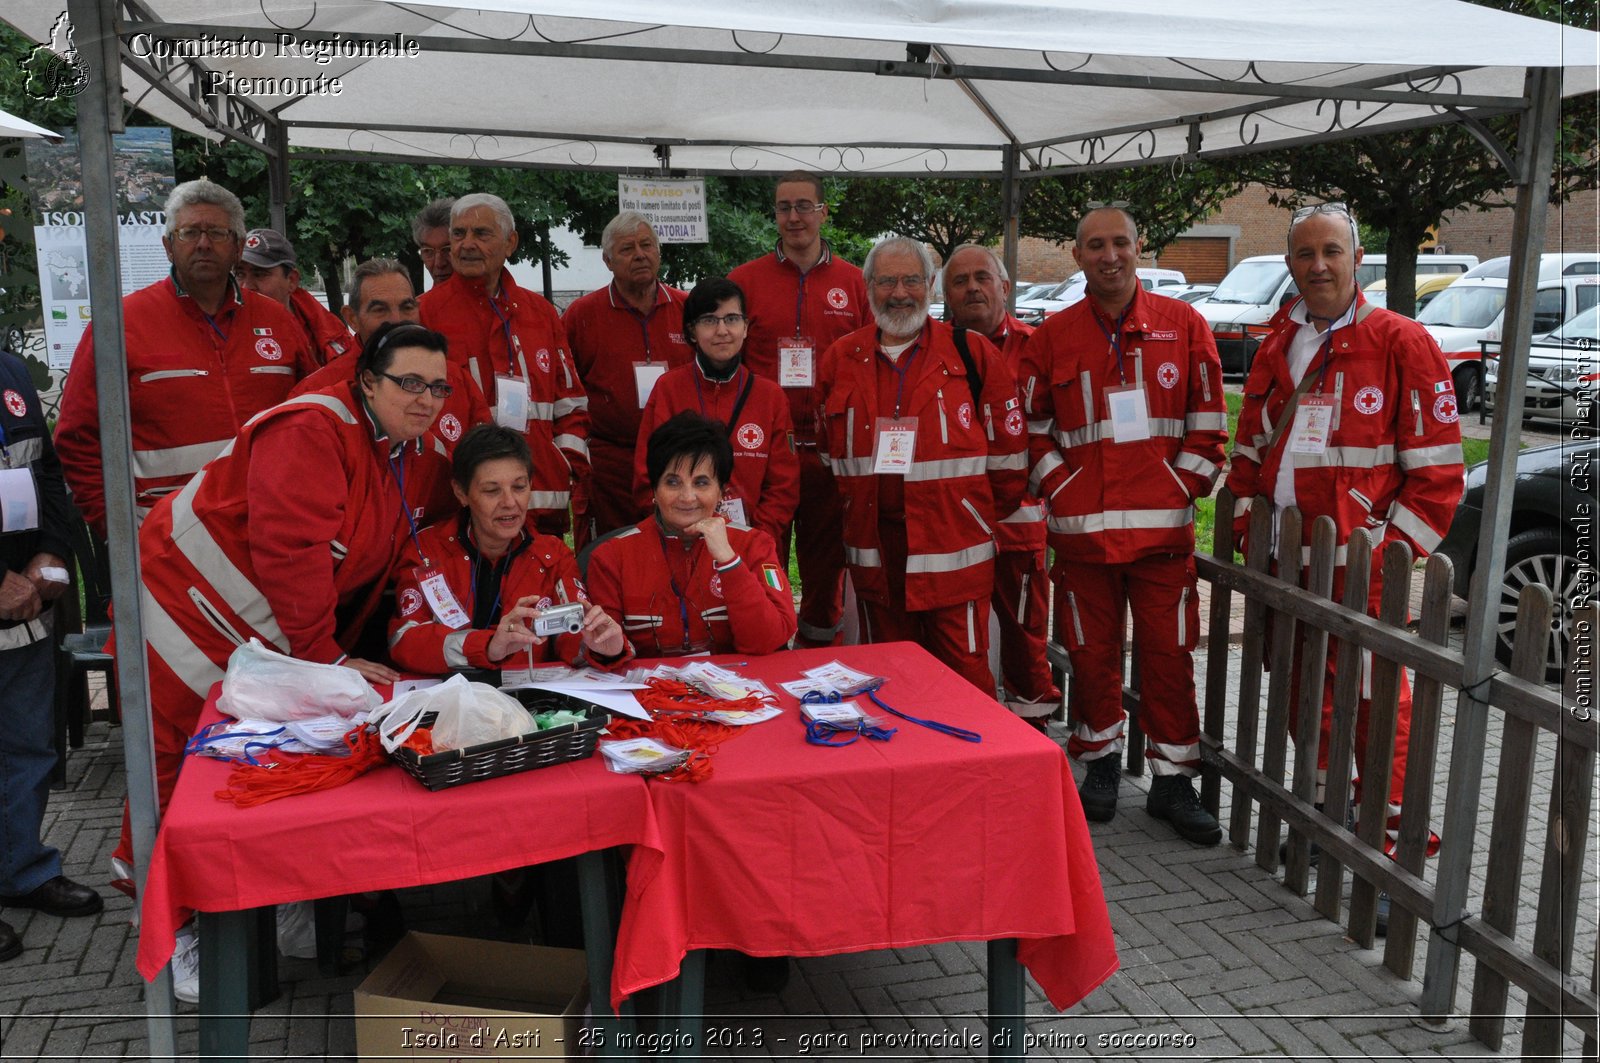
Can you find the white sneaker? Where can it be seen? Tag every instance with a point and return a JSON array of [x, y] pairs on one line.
[[185, 965], [297, 930]]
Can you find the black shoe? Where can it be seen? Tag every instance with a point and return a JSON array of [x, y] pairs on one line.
[[60, 896], [10, 942], [1098, 794], [1173, 799], [767, 975], [1383, 915]]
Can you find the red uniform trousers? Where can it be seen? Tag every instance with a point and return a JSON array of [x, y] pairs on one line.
[[1091, 602], [819, 546], [605, 502], [956, 634], [1021, 605]]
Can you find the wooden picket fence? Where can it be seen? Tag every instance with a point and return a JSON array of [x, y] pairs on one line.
[[1289, 622]]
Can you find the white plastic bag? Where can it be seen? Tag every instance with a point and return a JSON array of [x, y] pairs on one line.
[[263, 684], [469, 714]]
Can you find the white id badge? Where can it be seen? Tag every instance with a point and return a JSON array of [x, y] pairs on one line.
[[19, 500], [732, 510], [511, 402], [1313, 423], [1130, 413], [645, 375], [796, 362], [441, 599], [894, 445]]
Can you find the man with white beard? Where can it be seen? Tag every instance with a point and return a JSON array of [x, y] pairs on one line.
[[924, 431]]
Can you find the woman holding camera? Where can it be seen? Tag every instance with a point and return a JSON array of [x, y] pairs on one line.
[[471, 589]]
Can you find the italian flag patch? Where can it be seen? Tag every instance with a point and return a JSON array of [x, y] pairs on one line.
[[262, 331], [1443, 386], [773, 577]]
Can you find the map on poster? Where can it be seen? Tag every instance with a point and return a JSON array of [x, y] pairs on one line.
[[676, 208], [145, 176]]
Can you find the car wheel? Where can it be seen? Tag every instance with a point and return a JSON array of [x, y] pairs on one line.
[[1469, 386], [1537, 556]]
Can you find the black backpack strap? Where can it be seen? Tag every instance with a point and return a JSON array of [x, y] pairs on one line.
[[974, 378]]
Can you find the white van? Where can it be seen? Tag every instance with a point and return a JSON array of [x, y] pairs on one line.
[[1071, 290], [1472, 311], [1253, 290]]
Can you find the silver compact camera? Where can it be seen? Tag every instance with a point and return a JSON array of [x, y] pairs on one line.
[[560, 620]]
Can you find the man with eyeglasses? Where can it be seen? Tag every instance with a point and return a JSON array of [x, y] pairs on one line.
[[431, 231], [800, 300], [1126, 430], [1349, 413], [624, 337], [204, 355], [925, 432], [976, 289], [267, 265], [512, 344]]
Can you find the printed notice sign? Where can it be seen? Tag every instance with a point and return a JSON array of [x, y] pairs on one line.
[[677, 208]]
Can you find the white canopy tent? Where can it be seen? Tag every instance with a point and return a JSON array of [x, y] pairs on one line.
[[12, 126], [1002, 88]]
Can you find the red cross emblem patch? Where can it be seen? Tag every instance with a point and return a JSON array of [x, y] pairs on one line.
[[751, 436], [450, 427], [269, 349], [1167, 375], [1445, 410], [15, 403], [1369, 400], [838, 298]]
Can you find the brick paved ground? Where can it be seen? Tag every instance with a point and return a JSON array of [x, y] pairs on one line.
[[1212, 948]]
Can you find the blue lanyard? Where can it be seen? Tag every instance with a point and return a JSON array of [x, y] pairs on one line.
[[214, 326], [933, 725], [1114, 337], [901, 366], [829, 733], [505, 326], [643, 319], [400, 482], [672, 581], [499, 586], [210, 735]]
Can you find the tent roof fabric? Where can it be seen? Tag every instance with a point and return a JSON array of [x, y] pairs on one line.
[[732, 86]]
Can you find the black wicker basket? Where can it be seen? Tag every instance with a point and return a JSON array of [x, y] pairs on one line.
[[536, 749]]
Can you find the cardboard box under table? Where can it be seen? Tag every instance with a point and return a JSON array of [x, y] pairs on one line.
[[437, 997]]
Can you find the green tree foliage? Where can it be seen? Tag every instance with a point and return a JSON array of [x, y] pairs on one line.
[[1404, 183]]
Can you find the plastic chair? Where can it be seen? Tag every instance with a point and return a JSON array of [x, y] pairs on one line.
[[81, 632]]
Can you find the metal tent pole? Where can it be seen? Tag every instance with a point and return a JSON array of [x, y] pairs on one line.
[[1011, 204], [99, 114], [278, 176], [1536, 135]]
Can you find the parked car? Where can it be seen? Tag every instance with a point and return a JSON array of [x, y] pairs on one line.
[[1563, 373], [1552, 512], [1428, 286], [1071, 290], [1023, 290], [1256, 287], [1471, 312], [1189, 293]]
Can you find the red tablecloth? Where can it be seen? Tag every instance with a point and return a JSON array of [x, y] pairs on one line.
[[791, 849], [382, 831]]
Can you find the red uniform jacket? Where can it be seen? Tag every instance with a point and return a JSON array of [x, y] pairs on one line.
[[288, 536], [326, 336], [540, 566], [969, 462], [1393, 459], [766, 470], [824, 303], [192, 382], [1116, 502], [520, 334], [607, 337], [656, 586], [1023, 529]]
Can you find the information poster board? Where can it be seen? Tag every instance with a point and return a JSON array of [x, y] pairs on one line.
[[676, 207], [144, 179]]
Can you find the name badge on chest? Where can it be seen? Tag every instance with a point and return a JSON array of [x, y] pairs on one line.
[[894, 445], [797, 362], [19, 500], [645, 375], [1129, 409], [1313, 425], [511, 402], [732, 510], [441, 599]]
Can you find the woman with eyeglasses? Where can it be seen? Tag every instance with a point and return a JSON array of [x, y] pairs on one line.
[[685, 580], [765, 485], [290, 534], [470, 588]]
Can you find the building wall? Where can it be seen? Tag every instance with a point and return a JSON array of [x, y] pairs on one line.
[[1571, 226]]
